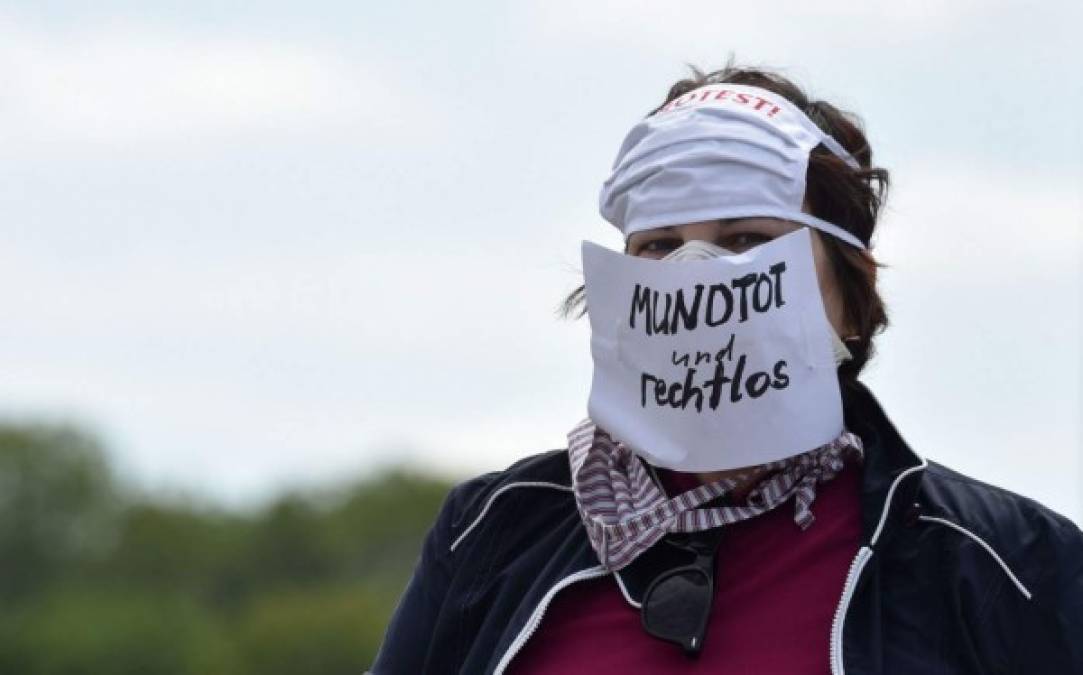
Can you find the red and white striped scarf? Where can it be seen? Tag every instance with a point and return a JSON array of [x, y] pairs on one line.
[[626, 512]]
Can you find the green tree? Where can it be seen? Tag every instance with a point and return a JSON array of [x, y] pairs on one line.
[[96, 580], [58, 505], [111, 631], [330, 630]]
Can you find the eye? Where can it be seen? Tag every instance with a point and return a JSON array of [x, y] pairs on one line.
[[742, 241], [657, 248]]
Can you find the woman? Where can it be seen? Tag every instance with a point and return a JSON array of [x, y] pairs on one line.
[[799, 533]]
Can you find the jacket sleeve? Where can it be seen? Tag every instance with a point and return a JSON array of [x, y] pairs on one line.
[[1070, 609], [406, 641], [1051, 642]]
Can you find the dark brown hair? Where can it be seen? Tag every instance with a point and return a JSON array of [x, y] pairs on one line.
[[850, 198]]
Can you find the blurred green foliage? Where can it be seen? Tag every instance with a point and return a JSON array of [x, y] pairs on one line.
[[97, 580]]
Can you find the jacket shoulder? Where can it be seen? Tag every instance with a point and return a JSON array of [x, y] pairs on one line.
[[421, 608], [468, 499], [1042, 552], [994, 510], [1033, 539]]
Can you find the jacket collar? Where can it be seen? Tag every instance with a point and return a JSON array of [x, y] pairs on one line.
[[891, 473]]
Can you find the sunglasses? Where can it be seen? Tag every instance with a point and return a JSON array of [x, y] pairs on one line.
[[677, 603]]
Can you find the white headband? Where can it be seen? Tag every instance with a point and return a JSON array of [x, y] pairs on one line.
[[719, 151]]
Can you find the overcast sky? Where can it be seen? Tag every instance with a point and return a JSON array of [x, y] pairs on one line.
[[259, 245]]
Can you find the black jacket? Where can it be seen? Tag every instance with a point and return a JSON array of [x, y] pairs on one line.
[[954, 576]]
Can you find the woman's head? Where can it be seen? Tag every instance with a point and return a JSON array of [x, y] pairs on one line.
[[834, 192]]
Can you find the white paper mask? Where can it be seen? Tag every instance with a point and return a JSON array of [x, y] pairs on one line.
[[707, 365]]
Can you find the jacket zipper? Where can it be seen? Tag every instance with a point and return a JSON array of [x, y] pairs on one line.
[[539, 611], [837, 624], [856, 567]]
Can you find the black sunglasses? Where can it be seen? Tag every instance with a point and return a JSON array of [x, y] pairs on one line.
[[677, 604]]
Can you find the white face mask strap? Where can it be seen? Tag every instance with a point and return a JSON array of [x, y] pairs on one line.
[[836, 147], [830, 228]]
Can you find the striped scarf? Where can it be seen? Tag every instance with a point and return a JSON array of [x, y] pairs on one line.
[[625, 512]]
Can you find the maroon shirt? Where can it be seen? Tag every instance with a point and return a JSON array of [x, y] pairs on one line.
[[776, 590]]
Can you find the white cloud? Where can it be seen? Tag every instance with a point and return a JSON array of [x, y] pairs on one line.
[[704, 27], [133, 84], [946, 214]]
